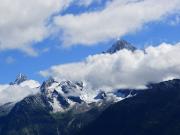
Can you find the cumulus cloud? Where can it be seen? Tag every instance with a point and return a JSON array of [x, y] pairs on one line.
[[23, 23], [15, 93], [124, 69], [117, 19]]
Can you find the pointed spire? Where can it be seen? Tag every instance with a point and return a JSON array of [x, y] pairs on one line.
[[19, 79], [120, 45], [47, 84]]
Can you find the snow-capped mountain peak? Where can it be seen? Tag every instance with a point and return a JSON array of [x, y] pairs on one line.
[[23, 81], [18, 90], [46, 85], [61, 95], [19, 79], [120, 45]]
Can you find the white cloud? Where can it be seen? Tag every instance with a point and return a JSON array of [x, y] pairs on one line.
[[124, 69], [15, 93], [9, 60], [23, 23], [3, 86], [117, 19]]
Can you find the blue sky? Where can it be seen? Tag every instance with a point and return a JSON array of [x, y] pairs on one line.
[[52, 52]]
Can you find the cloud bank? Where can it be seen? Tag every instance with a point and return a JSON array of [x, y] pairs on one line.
[[124, 69], [24, 23], [15, 93], [117, 19]]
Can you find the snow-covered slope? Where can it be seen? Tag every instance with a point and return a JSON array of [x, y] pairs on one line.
[[61, 96], [65, 95]]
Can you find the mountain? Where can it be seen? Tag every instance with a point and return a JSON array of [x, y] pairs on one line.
[[65, 95], [72, 108], [59, 107], [23, 81], [16, 91], [19, 79], [154, 111], [61, 96], [39, 114], [120, 45]]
